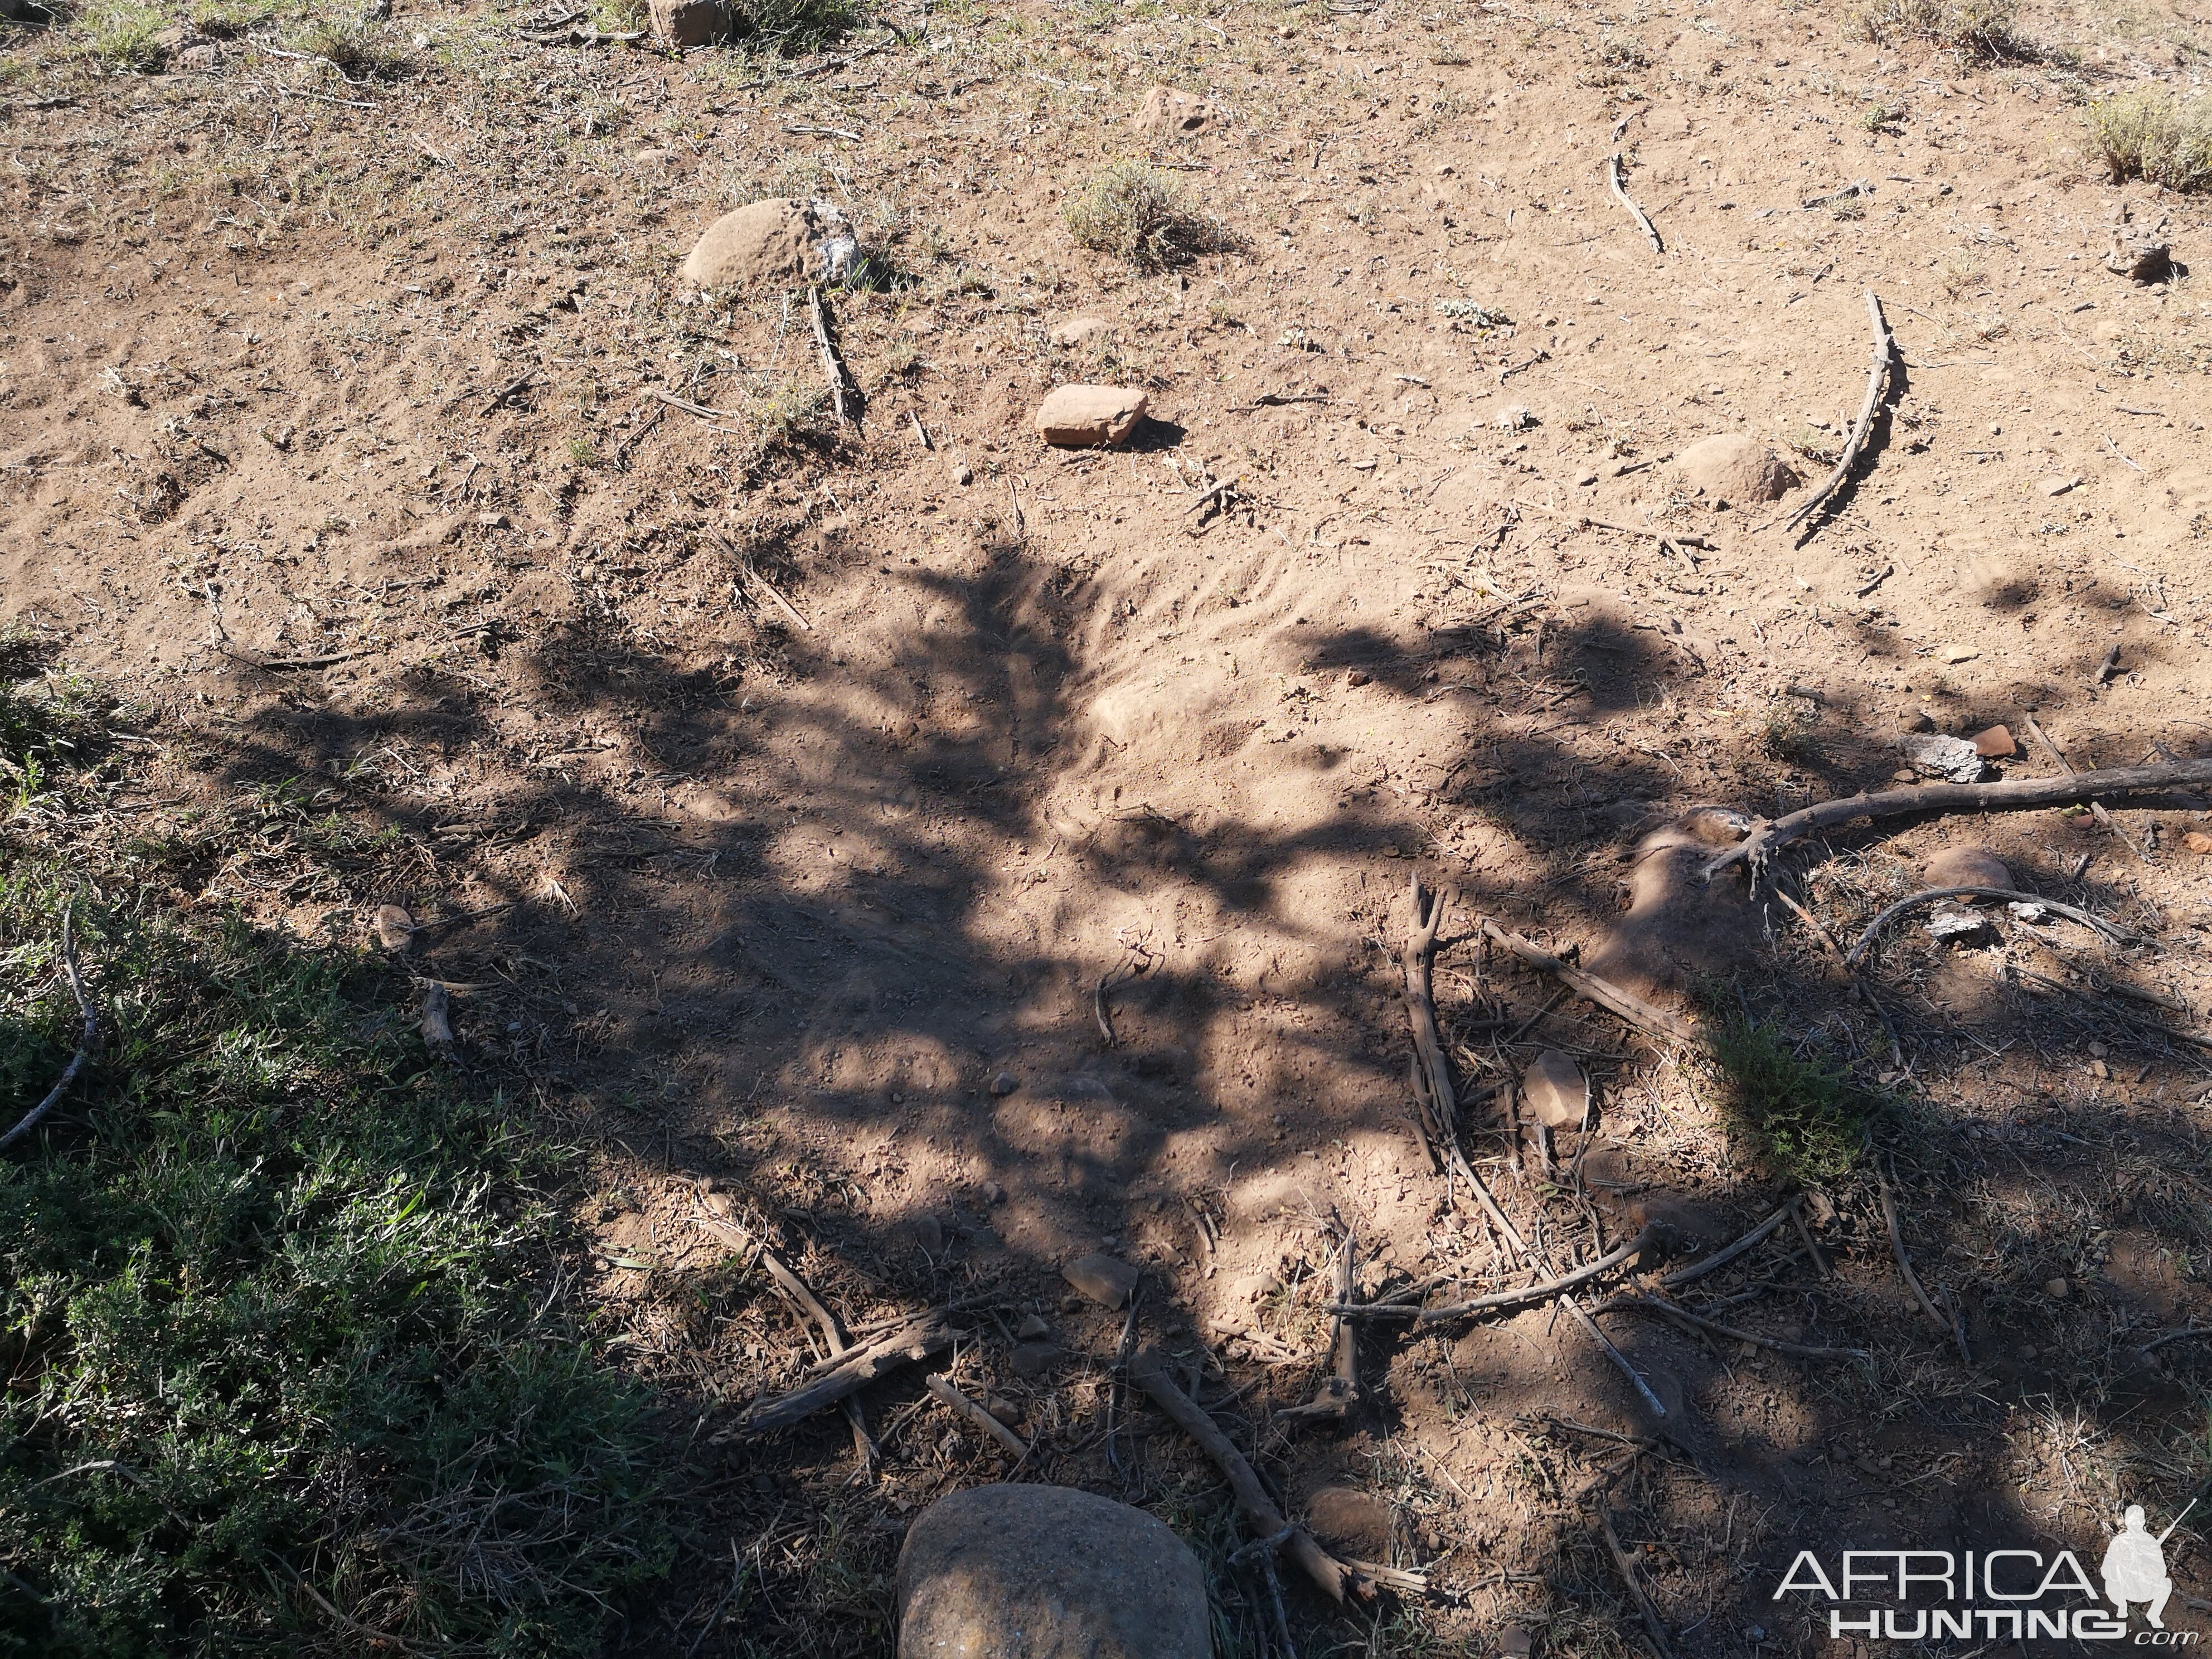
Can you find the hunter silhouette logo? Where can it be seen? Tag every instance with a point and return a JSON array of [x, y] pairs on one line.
[[2135, 1566]]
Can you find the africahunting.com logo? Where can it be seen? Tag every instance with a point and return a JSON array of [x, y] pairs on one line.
[[2008, 1594]]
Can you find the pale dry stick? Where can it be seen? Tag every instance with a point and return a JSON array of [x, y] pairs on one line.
[[1515, 1297], [1668, 1311], [835, 1340], [1796, 1208], [699, 409], [976, 1415], [2115, 448], [1929, 894], [1904, 1267], [1328, 1573], [782, 604], [1770, 835], [832, 369], [1603, 992], [1878, 373], [1620, 195], [852, 1371], [1721, 1258], [1585, 519], [86, 1043], [1437, 1092], [1099, 1012], [2096, 808], [1653, 1624]]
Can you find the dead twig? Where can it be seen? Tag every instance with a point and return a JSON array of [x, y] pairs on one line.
[[86, 1042], [1438, 1100], [1904, 1267], [850, 1372], [1721, 1258], [1328, 1573], [833, 367], [1770, 835], [1341, 1389], [1878, 373], [1929, 896], [835, 1340], [1652, 1623], [977, 1416], [1541, 1291], [1684, 1316], [1621, 194], [1603, 992]]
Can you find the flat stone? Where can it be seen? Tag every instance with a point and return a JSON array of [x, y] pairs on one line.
[[1086, 416], [763, 246], [1047, 1572], [1165, 111], [1080, 331], [1996, 744], [1555, 1091], [1004, 1084], [1033, 1361], [1943, 755], [1734, 468], [1032, 1327], [1967, 866], [1106, 1280]]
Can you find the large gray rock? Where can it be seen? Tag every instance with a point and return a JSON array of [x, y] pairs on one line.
[[1047, 1572]]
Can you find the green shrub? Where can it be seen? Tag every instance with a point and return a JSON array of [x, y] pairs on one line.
[[1800, 1117], [278, 1369], [2154, 136], [1137, 212]]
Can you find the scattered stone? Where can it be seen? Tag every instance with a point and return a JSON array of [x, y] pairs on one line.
[[1108, 1281], [1086, 416], [1958, 653], [2198, 841], [1358, 677], [1734, 467], [1943, 756], [2056, 1289], [1167, 111], [2060, 486], [689, 22], [393, 927], [780, 243], [2140, 256], [1033, 1360], [1555, 1091], [1080, 331], [1047, 1572], [1004, 1084], [1967, 866], [1032, 1327], [1996, 744], [1004, 1410], [1949, 923]]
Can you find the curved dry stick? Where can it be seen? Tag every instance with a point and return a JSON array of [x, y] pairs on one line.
[[90, 1040], [1510, 1298], [1911, 1279], [2014, 794], [1884, 351], [1620, 195], [1721, 1258], [1434, 1074], [1668, 1311], [1929, 894]]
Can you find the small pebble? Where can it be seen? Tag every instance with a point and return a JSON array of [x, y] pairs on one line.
[[1361, 676], [2055, 1289], [1004, 1084]]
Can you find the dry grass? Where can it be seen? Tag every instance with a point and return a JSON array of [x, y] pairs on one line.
[[2154, 136], [1135, 212], [1972, 28]]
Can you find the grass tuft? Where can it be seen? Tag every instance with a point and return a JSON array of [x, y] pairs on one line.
[[1972, 28], [1135, 212], [357, 48], [795, 25], [1799, 1116], [2153, 137], [1789, 728]]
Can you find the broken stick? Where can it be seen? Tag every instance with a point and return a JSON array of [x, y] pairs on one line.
[[1904, 1267], [86, 1043], [853, 1371], [1341, 1387], [1147, 1372], [1649, 1615], [1620, 195], [1510, 1298], [1884, 354], [1603, 992], [1438, 1099], [833, 367], [976, 1415], [1929, 894], [1770, 835]]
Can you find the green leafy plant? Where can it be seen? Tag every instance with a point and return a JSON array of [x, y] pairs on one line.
[[277, 1359], [1800, 1115]]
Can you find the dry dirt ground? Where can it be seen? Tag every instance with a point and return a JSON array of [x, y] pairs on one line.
[[778, 803]]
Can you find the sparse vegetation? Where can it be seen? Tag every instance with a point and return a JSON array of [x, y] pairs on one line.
[[795, 25], [1795, 1113], [1972, 28], [2154, 136], [1962, 273], [358, 49], [1791, 724], [1135, 212]]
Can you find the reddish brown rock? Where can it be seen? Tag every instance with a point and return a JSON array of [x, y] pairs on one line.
[[1086, 416]]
